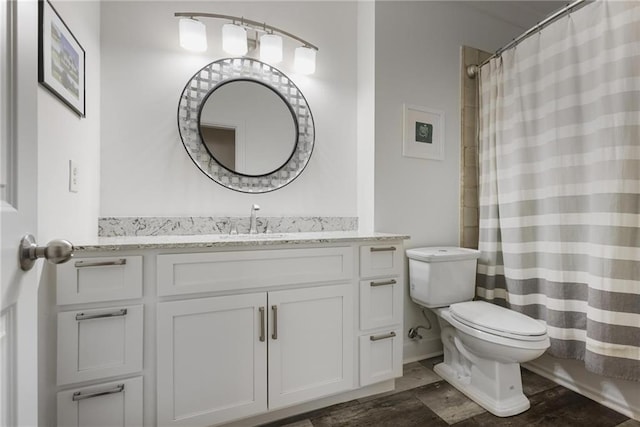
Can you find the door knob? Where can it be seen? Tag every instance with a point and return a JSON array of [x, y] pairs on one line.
[[56, 252]]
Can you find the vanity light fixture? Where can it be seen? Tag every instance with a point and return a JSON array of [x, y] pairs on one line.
[[193, 35], [271, 48], [305, 60], [234, 39]]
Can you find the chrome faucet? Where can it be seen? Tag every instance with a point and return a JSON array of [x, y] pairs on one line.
[[253, 229]]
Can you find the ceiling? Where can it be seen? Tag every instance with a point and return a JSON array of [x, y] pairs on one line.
[[523, 14]]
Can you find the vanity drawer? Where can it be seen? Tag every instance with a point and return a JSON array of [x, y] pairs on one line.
[[221, 271], [99, 343], [381, 260], [380, 303], [380, 356], [99, 279], [114, 404]]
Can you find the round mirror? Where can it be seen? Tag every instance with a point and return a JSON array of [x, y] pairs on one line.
[[252, 98], [248, 128]]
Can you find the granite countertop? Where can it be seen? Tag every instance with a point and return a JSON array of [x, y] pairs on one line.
[[225, 240]]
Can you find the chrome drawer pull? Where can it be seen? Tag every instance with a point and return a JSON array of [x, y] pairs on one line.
[[275, 322], [82, 316], [382, 337], [83, 264], [261, 309], [387, 249], [80, 396], [386, 282]]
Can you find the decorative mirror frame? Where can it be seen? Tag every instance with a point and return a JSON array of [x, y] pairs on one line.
[[222, 72]]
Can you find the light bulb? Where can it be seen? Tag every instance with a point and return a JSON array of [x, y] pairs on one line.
[[305, 60], [234, 39], [193, 35], [271, 48]]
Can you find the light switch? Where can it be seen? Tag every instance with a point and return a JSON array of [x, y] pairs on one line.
[[74, 176]]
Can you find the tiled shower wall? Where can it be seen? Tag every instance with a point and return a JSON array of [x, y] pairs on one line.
[[469, 225]]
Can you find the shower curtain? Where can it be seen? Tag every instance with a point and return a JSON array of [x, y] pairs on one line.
[[560, 184]]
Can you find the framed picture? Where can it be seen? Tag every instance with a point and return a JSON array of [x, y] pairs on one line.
[[61, 59], [423, 135]]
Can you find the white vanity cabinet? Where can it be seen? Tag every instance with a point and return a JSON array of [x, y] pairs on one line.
[[227, 332], [99, 337], [381, 312], [228, 357]]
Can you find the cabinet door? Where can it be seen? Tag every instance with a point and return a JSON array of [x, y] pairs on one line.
[[310, 344], [212, 364], [114, 404]]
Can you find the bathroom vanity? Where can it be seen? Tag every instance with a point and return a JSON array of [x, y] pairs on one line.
[[206, 330]]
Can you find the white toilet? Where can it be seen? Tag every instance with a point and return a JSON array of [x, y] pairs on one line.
[[484, 344]]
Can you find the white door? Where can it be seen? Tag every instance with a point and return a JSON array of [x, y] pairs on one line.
[[18, 165], [310, 345]]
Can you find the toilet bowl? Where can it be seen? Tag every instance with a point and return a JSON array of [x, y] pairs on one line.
[[483, 343]]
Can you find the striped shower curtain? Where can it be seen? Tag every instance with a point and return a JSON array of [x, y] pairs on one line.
[[560, 184]]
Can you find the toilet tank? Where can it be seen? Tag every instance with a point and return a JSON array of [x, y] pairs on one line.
[[441, 276]]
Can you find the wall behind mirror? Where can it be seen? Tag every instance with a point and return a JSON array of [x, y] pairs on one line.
[[143, 73]]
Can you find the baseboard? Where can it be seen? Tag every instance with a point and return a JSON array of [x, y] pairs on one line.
[[620, 395], [415, 350]]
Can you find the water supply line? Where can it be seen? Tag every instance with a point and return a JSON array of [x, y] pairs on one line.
[[413, 331]]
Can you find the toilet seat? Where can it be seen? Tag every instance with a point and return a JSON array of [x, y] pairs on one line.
[[497, 320]]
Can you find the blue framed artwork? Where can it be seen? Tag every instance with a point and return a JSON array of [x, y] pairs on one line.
[[61, 59]]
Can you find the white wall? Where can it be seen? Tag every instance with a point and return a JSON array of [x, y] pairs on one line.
[[63, 136], [418, 62], [366, 114], [143, 73]]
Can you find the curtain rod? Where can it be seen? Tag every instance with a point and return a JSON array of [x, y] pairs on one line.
[[472, 70]]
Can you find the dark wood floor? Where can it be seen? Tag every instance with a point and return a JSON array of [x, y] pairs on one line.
[[422, 398]]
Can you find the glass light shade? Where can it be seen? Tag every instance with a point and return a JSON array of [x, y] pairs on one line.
[[193, 35], [305, 60], [234, 39], [271, 48]]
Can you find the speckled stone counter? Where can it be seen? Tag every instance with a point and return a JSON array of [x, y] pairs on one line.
[[196, 225], [225, 240]]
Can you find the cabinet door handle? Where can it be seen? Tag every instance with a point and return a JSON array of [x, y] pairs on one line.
[[261, 309], [382, 337], [385, 249], [83, 264], [82, 316], [275, 322], [78, 395], [386, 282]]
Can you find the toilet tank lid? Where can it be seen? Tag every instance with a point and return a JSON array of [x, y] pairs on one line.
[[442, 253]]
